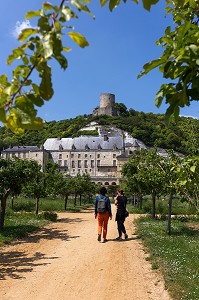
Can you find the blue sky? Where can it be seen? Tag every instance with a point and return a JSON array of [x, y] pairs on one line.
[[121, 42]]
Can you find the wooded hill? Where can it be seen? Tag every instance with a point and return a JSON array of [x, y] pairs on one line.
[[181, 135]]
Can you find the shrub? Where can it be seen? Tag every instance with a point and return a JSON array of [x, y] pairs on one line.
[[50, 216]]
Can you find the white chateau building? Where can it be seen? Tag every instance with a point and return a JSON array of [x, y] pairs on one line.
[[99, 156]]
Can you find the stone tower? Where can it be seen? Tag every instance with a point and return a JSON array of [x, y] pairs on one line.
[[107, 105]]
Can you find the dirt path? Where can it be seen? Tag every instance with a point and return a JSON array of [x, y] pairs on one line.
[[65, 261]]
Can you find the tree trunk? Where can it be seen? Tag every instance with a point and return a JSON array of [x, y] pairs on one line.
[[153, 204], [3, 209], [65, 201], [75, 200], [169, 213], [80, 199], [140, 201], [37, 206], [12, 203]]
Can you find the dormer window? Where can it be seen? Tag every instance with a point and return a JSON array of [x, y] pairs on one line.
[[115, 147], [87, 147], [73, 147], [99, 147], [60, 147]]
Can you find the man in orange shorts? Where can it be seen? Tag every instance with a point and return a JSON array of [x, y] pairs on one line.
[[102, 213]]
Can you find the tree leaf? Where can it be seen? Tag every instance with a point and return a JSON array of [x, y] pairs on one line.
[[45, 88], [26, 33], [113, 4], [47, 6], [31, 14], [103, 2], [147, 3], [2, 115], [79, 39]]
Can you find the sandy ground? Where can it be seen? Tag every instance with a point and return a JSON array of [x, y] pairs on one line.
[[65, 261]]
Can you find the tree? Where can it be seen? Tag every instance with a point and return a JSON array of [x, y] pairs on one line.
[[36, 188], [179, 61], [40, 44], [14, 174]]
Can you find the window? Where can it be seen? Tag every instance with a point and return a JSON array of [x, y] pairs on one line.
[[24, 155], [114, 163], [114, 155], [85, 164], [92, 163], [72, 155], [65, 163], [79, 155], [73, 164], [79, 164], [60, 156], [86, 155], [98, 163], [59, 162], [98, 155]]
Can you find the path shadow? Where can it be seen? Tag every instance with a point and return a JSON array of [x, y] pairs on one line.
[[15, 263], [69, 220], [123, 240]]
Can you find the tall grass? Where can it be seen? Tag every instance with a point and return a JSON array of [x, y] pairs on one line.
[[177, 255]]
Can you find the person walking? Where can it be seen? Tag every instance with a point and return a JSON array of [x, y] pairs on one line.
[[102, 213], [120, 202]]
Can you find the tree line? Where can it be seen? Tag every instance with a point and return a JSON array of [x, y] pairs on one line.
[[148, 173], [181, 135]]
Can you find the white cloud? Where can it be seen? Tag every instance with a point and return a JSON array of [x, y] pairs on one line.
[[19, 27]]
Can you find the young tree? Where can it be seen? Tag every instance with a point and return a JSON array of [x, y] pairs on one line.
[[14, 174]]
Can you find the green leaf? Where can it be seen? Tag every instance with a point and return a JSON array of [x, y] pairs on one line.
[[47, 6], [79, 39], [150, 66], [193, 169], [103, 2], [2, 115], [62, 61], [147, 3], [80, 6], [31, 14], [26, 33], [3, 80], [45, 88], [43, 23], [35, 99], [113, 4], [26, 105], [159, 98]]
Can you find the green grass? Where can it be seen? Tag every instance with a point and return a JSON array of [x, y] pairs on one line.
[[18, 225], [178, 207], [22, 219], [46, 204], [177, 256]]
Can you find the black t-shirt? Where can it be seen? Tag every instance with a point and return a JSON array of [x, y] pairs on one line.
[[121, 203]]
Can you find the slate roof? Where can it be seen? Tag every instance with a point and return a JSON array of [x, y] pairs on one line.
[[84, 142], [21, 149]]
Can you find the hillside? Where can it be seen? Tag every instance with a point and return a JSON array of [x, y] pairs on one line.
[[181, 135]]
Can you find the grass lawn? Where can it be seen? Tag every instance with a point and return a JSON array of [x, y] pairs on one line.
[[177, 256], [22, 220]]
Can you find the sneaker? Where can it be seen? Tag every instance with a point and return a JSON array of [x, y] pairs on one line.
[[99, 238], [126, 236], [118, 238]]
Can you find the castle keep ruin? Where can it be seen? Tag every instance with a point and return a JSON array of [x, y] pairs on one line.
[[107, 106]]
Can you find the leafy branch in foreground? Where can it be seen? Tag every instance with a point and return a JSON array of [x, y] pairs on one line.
[[180, 59], [40, 44]]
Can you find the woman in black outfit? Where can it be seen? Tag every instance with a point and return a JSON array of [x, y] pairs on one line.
[[120, 202]]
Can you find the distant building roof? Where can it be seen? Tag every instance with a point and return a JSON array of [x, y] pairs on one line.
[[21, 148], [85, 142]]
